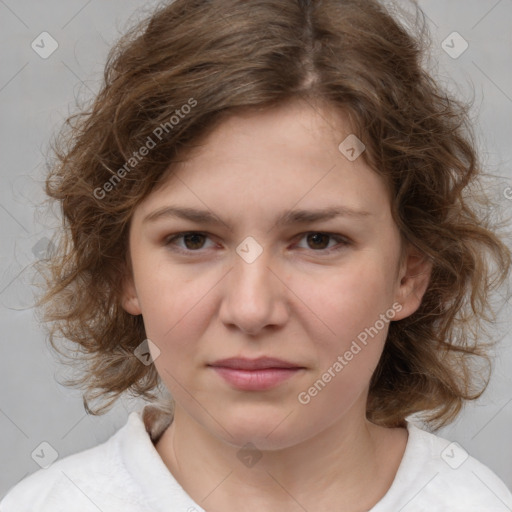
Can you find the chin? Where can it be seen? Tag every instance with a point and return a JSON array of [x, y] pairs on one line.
[[265, 432]]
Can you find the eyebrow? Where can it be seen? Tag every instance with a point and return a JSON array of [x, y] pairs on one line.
[[286, 218]]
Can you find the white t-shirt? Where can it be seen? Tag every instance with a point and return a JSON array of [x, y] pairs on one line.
[[126, 474]]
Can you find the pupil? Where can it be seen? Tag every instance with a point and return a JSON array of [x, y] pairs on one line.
[[188, 237], [318, 236]]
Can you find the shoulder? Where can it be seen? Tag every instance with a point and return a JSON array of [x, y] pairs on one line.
[[437, 475], [89, 480]]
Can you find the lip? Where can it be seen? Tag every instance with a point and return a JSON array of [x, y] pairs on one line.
[[255, 374], [261, 363]]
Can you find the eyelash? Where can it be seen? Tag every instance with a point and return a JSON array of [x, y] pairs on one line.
[[340, 239]]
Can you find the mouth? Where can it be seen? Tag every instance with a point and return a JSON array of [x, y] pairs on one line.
[[255, 374]]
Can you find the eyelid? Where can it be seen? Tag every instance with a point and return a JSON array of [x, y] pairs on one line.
[[343, 241], [169, 239]]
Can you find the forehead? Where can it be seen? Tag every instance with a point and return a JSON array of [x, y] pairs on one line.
[[299, 124], [267, 159]]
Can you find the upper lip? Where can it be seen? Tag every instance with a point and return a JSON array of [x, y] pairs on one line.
[[260, 363]]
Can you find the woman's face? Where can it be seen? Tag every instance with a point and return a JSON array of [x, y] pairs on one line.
[[271, 272]]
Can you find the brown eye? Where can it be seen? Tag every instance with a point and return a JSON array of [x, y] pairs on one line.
[[318, 240], [192, 241]]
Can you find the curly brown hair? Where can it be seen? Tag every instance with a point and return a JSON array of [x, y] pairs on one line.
[[174, 77]]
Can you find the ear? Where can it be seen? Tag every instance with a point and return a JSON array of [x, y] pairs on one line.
[[129, 298], [413, 279]]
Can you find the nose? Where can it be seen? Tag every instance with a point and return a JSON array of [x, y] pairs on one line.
[[254, 296]]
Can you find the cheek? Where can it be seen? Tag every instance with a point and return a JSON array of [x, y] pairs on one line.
[[166, 291], [176, 308], [353, 310], [348, 341], [347, 300]]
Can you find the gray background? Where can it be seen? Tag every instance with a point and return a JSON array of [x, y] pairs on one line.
[[36, 95]]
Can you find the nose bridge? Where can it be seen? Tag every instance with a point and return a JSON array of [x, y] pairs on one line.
[[251, 277], [253, 295]]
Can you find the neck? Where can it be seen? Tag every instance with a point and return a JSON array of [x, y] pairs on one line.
[[336, 470]]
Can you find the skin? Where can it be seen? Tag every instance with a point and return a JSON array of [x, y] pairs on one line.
[[296, 301]]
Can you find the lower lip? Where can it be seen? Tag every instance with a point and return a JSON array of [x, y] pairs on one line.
[[255, 380]]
